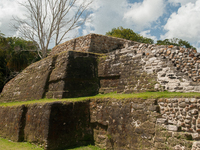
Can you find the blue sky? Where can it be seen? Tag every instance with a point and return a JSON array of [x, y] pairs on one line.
[[156, 19]]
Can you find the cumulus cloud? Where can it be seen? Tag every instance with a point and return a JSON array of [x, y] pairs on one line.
[[184, 23], [108, 14], [143, 14], [8, 9]]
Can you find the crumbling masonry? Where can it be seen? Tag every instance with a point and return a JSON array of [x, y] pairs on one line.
[[95, 64]]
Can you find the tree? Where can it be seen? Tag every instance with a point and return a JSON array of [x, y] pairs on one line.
[[128, 34], [15, 55], [3, 69], [20, 53], [175, 42], [51, 19]]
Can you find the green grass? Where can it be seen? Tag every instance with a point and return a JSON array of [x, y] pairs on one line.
[[9, 145], [145, 95], [90, 147]]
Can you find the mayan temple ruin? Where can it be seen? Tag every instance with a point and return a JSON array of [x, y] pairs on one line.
[[93, 64]]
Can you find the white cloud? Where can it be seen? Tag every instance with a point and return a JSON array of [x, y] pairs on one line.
[[185, 23], [148, 35], [8, 9], [108, 14], [141, 15]]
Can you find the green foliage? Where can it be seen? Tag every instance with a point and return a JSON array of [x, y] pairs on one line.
[[175, 42], [128, 34], [21, 53], [15, 54]]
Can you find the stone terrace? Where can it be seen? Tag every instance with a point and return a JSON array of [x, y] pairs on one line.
[[75, 68]]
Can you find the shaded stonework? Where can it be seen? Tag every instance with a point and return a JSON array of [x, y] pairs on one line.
[[123, 66], [69, 74], [108, 123], [74, 75], [12, 122], [29, 84], [69, 126], [53, 126], [36, 128]]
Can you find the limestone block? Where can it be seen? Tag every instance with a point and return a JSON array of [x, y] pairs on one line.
[[161, 121], [196, 145], [172, 128]]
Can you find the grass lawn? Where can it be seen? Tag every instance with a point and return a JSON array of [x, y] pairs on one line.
[[145, 95], [90, 147], [9, 145]]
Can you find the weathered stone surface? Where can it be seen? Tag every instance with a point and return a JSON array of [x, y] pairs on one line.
[[45, 124], [75, 75], [69, 74], [71, 129], [37, 124], [30, 84], [123, 73], [12, 122], [93, 43], [61, 125], [125, 125]]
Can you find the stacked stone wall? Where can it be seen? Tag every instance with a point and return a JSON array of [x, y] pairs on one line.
[[180, 117], [181, 114], [46, 126], [126, 124], [141, 124], [122, 71], [74, 74], [36, 128], [145, 67], [92, 43]]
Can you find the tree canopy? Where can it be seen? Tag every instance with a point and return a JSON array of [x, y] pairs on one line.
[[128, 34], [15, 54], [175, 42]]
